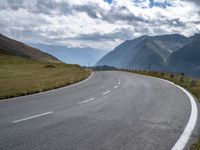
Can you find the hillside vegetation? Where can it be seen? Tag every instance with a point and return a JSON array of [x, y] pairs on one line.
[[15, 48], [22, 76]]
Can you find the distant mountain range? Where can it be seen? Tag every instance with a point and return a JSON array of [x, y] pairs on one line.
[[172, 53], [15, 48], [81, 56], [186, 59]]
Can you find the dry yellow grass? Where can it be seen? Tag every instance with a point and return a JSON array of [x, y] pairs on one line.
[[19, 76]]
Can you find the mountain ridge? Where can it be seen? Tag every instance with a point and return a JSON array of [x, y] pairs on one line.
[[149, 51], [187, 59], [13, 47]]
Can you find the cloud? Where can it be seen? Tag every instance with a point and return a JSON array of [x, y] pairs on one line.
[[122, 33], [194, 1], [95, 23]]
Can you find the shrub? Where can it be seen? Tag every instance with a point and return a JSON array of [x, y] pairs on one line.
[[181, 79], [162, 74], [193, 83], [49, 66], [182, 74]]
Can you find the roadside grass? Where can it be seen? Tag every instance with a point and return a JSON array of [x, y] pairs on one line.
[[196, 146], [21, 76], [192, 85]]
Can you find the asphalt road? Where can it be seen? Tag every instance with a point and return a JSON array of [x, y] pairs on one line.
[[109, 111]]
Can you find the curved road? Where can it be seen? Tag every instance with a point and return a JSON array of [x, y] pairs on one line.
[[109, 111]]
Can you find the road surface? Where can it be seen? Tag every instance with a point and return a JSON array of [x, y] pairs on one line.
[[111, 110]]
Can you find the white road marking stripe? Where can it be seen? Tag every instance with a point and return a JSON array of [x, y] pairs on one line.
[[106, 92], [86, 101], [31, 117], [183, 139], [117, 79], [116, 86]]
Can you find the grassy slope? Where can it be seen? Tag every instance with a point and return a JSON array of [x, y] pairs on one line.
[[186, 84], [15, 48], [20, 76]]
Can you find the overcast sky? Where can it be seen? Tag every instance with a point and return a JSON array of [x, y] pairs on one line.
[[101, 24]]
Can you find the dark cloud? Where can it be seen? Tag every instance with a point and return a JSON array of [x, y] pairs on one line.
[[50, 7], [194, 1], [13, 4], [92, 9], [122, 34], [173, 22], [123, 14], [38, 6]]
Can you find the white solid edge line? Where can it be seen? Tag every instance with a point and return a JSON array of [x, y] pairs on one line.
[[31, 117], [106, 92], [183, 139], [86, 101]]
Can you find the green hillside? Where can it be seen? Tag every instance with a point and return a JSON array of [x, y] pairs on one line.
[[22, 76], [12, 47]]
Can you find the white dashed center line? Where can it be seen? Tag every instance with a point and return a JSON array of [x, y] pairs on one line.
[[86, 101], [106, 92], [116, 86], [31, 117]]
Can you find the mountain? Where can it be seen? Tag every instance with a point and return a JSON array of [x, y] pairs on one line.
[[171, 42], [12, 47], [195, 37], [82, 56], [139, 53], [186, 59], [155, 51]]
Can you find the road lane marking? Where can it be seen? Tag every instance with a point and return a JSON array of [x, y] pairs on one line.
[[117, 79], [116, 86], [86, 101], [183, 139], [106, 92], [32, 117]]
